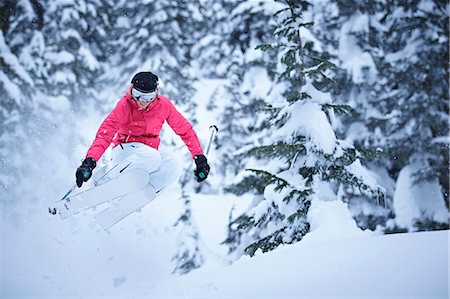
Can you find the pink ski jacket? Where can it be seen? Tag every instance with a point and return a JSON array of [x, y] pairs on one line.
[[129, 123]]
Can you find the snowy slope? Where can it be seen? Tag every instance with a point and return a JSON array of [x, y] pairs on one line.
[[43, 256], [408, 265], [336, 259]]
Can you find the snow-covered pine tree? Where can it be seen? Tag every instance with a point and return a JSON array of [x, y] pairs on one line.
[[156, 36], [352, 32], [298, 158], [74, 53], [414, 107], [20, 23], [53, 48], [189, 255], [218, 53], [229, 57], [387, 49]]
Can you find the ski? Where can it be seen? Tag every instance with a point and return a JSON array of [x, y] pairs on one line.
[[129, 182], [125, 206]]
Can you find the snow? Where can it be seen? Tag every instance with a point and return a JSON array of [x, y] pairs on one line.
[[37, 48], [358, 63], [351, 269], [442, 139], [415, 201], [43, 256], [60, 57], [269, 6], [122, 22], [362, 173], [57, 103], [309, 121], [13, 62], [11, 89], [63, 77], [256, 82], [89, 59], [206, 90], [71, 33], [331, 221]]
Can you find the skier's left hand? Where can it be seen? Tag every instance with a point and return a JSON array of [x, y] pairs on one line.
[[203, 168]]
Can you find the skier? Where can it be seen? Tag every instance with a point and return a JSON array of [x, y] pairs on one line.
[[133, 128]]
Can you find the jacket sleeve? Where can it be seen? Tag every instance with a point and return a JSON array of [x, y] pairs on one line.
[[183, 128], [107, 130]]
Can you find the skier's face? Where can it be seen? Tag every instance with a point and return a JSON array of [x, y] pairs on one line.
[[144, 96], [142, 104], [143, 99]]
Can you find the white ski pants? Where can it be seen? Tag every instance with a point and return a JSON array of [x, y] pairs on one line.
[[164, 168]]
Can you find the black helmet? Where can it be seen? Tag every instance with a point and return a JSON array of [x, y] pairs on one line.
[[145, 81]]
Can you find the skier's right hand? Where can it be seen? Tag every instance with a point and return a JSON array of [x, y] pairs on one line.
[[84, 172]]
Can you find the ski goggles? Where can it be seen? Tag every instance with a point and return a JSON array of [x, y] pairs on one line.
[[143, 96]]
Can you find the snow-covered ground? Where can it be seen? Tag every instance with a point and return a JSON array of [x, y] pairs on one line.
[[400, 266], [43, 256]]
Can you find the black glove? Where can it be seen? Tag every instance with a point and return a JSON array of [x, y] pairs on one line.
[[202, 170], [84, 172]]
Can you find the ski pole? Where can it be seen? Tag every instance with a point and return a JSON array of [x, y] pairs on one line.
[[106, 173], [70, 191], [53, 211], [214, 129]]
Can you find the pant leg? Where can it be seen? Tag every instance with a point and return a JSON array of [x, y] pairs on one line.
[[133, 155], [168, 172], [126, 157], [164, 168]]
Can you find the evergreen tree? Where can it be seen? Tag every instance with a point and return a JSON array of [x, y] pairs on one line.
[[20, 24], [20, 36], [156, 36], [188, 255], [303, 160], [227, 55], [351, 31], [73, 54], [386, 50], [415, 96], [53, 61]]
